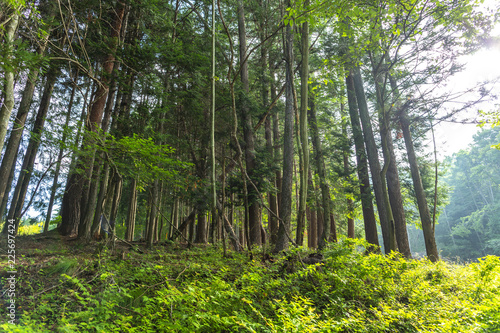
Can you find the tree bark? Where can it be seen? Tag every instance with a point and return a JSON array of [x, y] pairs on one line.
[[71, 207], [12, 148], [320, 167], [60, 157], [132, 209], [379, 185], [347, 172], [362, 166], [285, 208], [390, 168], [24, 177], [304, 135], [152, 218], [312, 230], [274, 223], [91, 212], [201, 228], [248, 134], [423, 208], [396, 199], [8, 102]]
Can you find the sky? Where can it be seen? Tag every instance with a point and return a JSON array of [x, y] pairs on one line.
[[484, 65]]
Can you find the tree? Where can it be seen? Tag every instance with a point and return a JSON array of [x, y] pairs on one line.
[[362, 165], [286, 185], [12, 21], [468, 227], [71, 208]]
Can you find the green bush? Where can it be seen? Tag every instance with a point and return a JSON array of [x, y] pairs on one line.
[[199, 291]]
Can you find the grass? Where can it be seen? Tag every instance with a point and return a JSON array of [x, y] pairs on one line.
[[174, 289]]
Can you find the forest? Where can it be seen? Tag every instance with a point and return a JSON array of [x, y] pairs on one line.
[[246, 165]]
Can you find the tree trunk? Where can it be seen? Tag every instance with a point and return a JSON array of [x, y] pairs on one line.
[[396, 199], [390, 168], [71, 207], [152, 218], [24, 178], [91, 212], [423, 208], [285, 207], [12, 148], [347, 172], [320, 167], [101, 201], [60, 157], [333, 228], [274, 223], [304, 135], [379, 185], [320, 224], [248, 134], [8, 102], [3, 208], [312, 230], [201, 228], [362, 166], [132, 209]]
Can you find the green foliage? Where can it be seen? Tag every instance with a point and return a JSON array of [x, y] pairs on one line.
[[197, 291], [139, 157], [470, 227]]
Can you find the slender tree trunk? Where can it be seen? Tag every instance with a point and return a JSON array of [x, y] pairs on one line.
[[396, 199], [312, 230], [90, 207], [132, 209], [333, 228], [271, 197], [347, 172], [175, 217], [3, 208], [390, 168], [215, 216], [24, 178], [71, 207], [192, 229], [152, 218], [248, 134], [59, 158], [362, 166], [274, 223], [320, 223], [91, 212], [285, 208], [423, 208], [379, 185], [12, 148], [320, 167], [304, 141], [101, 201], [8, 102]]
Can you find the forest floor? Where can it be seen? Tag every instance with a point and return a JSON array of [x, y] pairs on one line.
[[64, 285]]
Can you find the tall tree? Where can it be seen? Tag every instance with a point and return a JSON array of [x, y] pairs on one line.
[[23, 180], [423, 208], [304, 134], [285, 208], [362, 165], [71, 207], [379, 184], [8, 72], [319, 158], [254, 209]]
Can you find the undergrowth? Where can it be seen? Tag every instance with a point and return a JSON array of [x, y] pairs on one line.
[[197, 290]]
